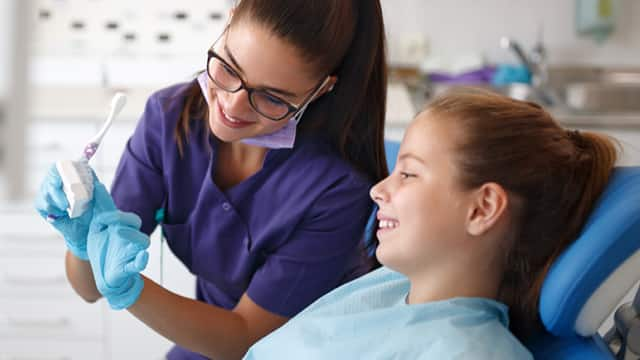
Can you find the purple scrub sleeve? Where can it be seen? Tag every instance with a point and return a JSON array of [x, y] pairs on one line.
[[285, 236]]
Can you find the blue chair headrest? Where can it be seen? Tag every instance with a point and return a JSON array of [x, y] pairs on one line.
[[594, 273], [391, 149]]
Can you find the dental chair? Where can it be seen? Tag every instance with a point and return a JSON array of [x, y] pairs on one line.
[[590, 278], [588, 281]]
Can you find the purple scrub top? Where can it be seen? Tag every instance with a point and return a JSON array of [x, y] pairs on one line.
[[287, 235]]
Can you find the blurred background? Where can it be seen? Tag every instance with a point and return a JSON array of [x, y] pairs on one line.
[[62, 60]]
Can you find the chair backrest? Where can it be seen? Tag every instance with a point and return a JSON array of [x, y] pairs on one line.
[[601, 266], [591, 277]]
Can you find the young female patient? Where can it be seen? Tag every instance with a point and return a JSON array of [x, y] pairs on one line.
[[486, 193]]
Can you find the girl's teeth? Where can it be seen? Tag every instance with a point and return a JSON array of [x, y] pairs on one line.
[[388, 224]]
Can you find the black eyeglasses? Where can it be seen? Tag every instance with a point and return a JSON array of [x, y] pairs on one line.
[[263, 102]]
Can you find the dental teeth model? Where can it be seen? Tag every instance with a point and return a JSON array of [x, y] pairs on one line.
[[77, 177]]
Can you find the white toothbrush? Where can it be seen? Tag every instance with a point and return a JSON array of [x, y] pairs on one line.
[[117, 103], [77, 179]]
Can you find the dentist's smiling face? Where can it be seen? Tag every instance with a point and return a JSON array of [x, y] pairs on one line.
[[422, 209], [263, 61]]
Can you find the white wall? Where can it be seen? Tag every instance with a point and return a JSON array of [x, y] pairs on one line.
[[462, 26], [96, 56], [6, 8], [13, 53], [451, 27], [147, 19]]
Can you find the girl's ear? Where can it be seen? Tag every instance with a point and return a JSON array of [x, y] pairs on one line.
[[487, 207]]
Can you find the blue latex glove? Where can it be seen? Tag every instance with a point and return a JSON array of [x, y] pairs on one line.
[[51, 203], [117, 253]]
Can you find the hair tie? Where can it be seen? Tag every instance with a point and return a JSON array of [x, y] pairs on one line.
[[577, 138]]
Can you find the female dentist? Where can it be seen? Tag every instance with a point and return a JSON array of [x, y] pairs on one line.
[[264, 206]]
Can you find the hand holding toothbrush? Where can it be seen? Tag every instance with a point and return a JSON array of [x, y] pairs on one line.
[[76, 175], [60, 195], [51, 203]]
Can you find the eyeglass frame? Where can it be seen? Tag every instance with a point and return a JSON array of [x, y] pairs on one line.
[[291, 108]]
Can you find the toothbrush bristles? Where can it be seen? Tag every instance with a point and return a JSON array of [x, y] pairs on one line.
[[90, 150]]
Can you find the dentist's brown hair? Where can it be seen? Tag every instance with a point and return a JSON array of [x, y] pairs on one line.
[[554, 176], [345, 38]]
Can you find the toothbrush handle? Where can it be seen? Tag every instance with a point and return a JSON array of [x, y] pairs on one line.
[[98, 138]]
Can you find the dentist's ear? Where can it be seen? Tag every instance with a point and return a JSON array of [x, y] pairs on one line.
[[326, 88], [488, 206]]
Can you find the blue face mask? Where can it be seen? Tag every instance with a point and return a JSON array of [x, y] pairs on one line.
[[283, 138]]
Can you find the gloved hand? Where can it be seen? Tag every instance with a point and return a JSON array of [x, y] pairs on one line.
[[117, 253], [51, 203]]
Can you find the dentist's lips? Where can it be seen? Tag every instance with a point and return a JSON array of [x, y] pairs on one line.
[[232, 123]]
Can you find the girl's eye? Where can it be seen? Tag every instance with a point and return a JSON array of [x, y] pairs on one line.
[[406, 175]]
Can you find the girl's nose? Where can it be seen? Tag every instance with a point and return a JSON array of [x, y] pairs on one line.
[[378, 192]]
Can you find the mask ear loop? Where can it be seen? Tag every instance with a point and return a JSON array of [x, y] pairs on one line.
[[298, 115]]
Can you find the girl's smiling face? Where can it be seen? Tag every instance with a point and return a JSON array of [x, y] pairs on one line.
[[422, 208]]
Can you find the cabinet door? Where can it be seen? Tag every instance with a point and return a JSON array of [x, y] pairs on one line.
[[51, 350], [24, 234], [49, 141], [48, 318], [33, 277], [40, 315]]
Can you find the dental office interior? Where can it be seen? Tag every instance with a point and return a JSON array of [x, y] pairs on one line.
[[62, 61]]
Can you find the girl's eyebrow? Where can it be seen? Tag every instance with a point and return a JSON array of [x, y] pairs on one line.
[[411, 156]]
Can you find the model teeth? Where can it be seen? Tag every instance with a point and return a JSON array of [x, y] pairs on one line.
[[388, 224]]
